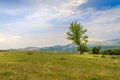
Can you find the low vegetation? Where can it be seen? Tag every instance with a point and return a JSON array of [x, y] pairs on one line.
[[111, 52], [36, 65], [96, 50]]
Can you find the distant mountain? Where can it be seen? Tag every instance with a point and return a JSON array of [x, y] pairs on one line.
[[113, 42], [69, 48], [117, 40], [27, 48], [30, 48], [108, 44]]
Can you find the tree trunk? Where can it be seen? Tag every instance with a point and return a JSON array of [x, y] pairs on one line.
[[80, 49], [81, 52]]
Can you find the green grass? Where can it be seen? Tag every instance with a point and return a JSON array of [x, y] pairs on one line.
[[35, 65]]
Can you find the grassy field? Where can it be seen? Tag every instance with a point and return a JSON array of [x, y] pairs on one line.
[[35, 65]]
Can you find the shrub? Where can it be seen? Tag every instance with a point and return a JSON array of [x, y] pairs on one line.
[[29, 53], [103, 56], [96, 50], [62, 58], [111, 52]]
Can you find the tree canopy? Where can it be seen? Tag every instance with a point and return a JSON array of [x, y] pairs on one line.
[[77, 35]]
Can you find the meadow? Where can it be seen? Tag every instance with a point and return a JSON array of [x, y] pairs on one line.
[[43, 65]]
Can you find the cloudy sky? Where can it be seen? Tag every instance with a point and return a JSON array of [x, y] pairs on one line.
[[40, 23]]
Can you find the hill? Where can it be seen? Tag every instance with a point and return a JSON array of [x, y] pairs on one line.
[[117, 40], [69, 48], [108, 44]]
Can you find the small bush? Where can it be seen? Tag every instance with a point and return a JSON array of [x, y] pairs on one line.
[[113, 57], [111, 52], [62, 59], [6, 73], [29, 53], [96, 50], [103, 56]]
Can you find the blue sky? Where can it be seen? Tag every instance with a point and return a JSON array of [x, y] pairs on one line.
[[41, 23]]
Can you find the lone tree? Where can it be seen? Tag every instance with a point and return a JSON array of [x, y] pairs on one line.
[[77, 35]]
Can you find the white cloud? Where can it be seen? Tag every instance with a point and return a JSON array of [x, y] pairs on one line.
[[43, 40], [38, 17], [106, 16], [104, 24], [61, 11], [69, 8]]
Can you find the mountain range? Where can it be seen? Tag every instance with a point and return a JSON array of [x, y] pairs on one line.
[[108, 44]]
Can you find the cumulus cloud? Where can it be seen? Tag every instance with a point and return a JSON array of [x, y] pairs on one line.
[[42, 40], [104, 24], [39, 17]]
